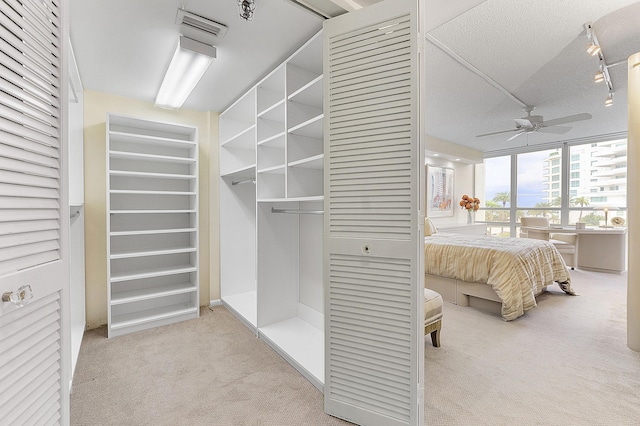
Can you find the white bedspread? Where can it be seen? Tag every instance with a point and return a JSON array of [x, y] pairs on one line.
[[514, 267]]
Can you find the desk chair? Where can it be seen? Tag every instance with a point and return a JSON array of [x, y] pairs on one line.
[[565, 243]]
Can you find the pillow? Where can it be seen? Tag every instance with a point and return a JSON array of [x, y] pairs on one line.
[[429, 227]]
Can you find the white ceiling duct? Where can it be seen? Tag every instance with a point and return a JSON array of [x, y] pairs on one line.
[[199, 28]]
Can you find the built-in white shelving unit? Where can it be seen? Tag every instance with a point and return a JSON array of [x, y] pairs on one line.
[[271, 200], [152, 204]]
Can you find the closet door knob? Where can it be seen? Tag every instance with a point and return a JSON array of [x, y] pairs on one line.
[[20, 297]]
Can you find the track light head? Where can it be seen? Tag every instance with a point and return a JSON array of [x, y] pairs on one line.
[[599, 77], [593, 49], [609, 100]]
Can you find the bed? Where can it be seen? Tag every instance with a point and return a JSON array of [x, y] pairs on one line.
[[499, 274]]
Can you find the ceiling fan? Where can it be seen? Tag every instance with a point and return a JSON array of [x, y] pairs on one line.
[[535, 123]]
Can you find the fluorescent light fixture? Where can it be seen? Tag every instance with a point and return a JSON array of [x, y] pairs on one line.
[[188, 64], [599, 77]]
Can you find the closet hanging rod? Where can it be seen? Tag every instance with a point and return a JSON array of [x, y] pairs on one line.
[[274, 210], [238, 182]]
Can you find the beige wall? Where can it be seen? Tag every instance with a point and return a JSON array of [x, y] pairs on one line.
[[96, 107]]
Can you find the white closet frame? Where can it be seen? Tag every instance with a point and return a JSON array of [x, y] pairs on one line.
[[152, 223], [271, 232]]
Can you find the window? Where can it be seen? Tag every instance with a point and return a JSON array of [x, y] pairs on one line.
[[592, 177]]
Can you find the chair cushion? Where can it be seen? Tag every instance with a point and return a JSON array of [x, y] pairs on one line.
[[432, 306]]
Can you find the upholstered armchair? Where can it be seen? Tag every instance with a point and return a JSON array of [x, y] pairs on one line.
[[565, 243]]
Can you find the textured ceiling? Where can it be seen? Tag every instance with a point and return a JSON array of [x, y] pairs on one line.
[[534, 49], [123, 47], [537, 51]]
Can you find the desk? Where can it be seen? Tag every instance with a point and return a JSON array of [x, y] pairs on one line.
[[598, 249]]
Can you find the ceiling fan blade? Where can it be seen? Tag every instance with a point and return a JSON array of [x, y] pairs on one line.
[[567, 119], [555, 129], [496, 133], [516, 135]]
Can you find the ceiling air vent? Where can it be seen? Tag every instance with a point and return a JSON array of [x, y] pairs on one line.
[[200, 28]]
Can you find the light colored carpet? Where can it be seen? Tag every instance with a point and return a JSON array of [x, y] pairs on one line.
[[207, 371], [564, 363]]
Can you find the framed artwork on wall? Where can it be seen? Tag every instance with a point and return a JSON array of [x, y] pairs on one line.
[[440, 191]]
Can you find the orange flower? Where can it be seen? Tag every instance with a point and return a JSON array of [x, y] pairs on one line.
[[470, 203]]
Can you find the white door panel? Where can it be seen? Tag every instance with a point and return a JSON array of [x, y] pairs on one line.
[[34, 213], [374, 164]]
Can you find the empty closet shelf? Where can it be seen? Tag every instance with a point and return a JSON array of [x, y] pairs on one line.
[[151, 315], [151, 232], [149, 273], [118, 298], [152, 140], [152, 175], [149, 211], [146, 253], [151, 157]]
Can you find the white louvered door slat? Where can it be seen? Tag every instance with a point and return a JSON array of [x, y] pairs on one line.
[[34, 213], [374, 351]]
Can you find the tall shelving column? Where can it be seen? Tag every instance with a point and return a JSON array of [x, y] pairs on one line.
[[238, 208], [289, 228], [152, 224]]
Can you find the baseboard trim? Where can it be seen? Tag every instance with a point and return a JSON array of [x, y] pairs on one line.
[[216, 302]]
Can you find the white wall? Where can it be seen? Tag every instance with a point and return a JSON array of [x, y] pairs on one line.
[[461, 159]]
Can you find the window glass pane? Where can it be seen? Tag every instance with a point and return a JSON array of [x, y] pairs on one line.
[[497, 181], [535, 172], [606, 165]]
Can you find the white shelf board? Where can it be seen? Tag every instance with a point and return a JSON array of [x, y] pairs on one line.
[[277, 170], [301, 341], [147, 139], [127, 173], [149, 211], [309, 94], [312, 128], [284, 200], [247, 171], [245, 305], [151, 293], [151, 157], [315, 162], [243, 139], [139, 192], [147, 253], [274, 111], [141, 317], [276, 141], [150, 273], [152, 232]]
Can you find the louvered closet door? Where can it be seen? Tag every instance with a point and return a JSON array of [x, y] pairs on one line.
[[34, 216], [374, 358]]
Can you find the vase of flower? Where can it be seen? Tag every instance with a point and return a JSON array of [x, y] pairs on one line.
[[471, 205]]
